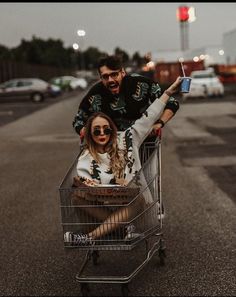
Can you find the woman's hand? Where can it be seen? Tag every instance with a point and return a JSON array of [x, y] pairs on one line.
[[175, 86]]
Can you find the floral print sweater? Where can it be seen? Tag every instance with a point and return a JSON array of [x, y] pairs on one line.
[[91, 173], [136, 95]]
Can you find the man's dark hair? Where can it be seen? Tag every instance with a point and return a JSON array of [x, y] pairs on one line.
[[112, 62]]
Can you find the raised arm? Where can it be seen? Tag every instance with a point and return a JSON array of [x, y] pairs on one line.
[[143, 126]]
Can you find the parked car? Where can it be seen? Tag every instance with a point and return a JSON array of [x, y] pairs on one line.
[[54, 90], [69, 83], [205, 83], [33, 88]]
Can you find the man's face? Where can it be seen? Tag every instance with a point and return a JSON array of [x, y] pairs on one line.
[[112, 79]]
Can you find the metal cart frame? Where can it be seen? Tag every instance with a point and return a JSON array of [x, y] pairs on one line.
[[146, 184]]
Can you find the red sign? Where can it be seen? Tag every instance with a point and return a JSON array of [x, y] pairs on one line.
[[183, 13]]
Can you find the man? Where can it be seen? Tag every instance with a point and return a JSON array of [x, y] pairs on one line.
[[124, 97]]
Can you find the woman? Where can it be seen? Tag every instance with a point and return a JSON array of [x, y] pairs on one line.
[[109, 158]]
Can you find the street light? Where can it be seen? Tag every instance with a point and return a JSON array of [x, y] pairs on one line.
[[82, 33], [75, 46], [185, 15]]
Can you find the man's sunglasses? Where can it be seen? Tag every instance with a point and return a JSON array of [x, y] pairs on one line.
[[113, 75], [106, 131]]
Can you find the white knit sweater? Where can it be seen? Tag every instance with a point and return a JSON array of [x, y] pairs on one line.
[[129, 140]]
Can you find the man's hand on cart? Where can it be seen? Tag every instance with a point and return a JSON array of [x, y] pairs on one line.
[[156, 129]]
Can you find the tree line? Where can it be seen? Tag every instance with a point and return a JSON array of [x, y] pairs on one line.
[[52, 52]]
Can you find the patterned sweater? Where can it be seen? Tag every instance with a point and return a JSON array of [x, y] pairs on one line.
[[90, 171], [136, 94]]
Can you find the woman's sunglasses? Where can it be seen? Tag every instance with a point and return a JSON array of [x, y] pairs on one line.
[[106, 131]]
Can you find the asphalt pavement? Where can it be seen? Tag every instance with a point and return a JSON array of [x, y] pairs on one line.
[[199, 227]]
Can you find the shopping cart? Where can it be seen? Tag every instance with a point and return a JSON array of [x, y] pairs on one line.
[[139, 213]]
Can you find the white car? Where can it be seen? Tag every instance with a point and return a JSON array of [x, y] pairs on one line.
[[204, 83], [76, 83], [68, 82]]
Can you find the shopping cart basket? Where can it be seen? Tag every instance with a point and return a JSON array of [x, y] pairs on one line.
[[136, 210]]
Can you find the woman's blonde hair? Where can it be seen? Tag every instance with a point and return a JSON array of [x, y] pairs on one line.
[[117, 156]]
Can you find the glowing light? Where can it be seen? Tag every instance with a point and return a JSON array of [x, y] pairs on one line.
[[191, 14], [75, 46], [181, 59], [202, 57], [150, 64], [81, 33], [186, 14], [182, 13], [221, 52], [195, 59]]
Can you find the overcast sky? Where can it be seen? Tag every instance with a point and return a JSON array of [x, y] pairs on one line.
[[141, 27]]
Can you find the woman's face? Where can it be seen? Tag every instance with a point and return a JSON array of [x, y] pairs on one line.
[[101, 132]]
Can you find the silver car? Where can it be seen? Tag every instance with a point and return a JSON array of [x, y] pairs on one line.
[[33, 88]]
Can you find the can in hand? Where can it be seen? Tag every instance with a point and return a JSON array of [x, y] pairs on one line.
[[185, 84]]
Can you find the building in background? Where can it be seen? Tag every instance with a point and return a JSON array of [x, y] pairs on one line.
[[165, 56], [166, 73], [222, 57], [209, 54], [229, 44], [222, 54]]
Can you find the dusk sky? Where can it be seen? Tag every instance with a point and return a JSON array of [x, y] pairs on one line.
[[142, 27]]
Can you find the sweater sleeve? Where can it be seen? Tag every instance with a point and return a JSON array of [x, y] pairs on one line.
[[143, 126], [91, 103]]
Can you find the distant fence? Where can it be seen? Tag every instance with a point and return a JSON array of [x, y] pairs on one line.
[[226, 73], [10, 69], [166, 73]]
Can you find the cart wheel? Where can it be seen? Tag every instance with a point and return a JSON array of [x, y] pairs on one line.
[[162, 255], [95, 256], [125, 290], [84, 289]]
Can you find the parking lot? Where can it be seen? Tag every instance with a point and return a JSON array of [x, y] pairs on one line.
[[197, 151], [222, 145], [11, 110]]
